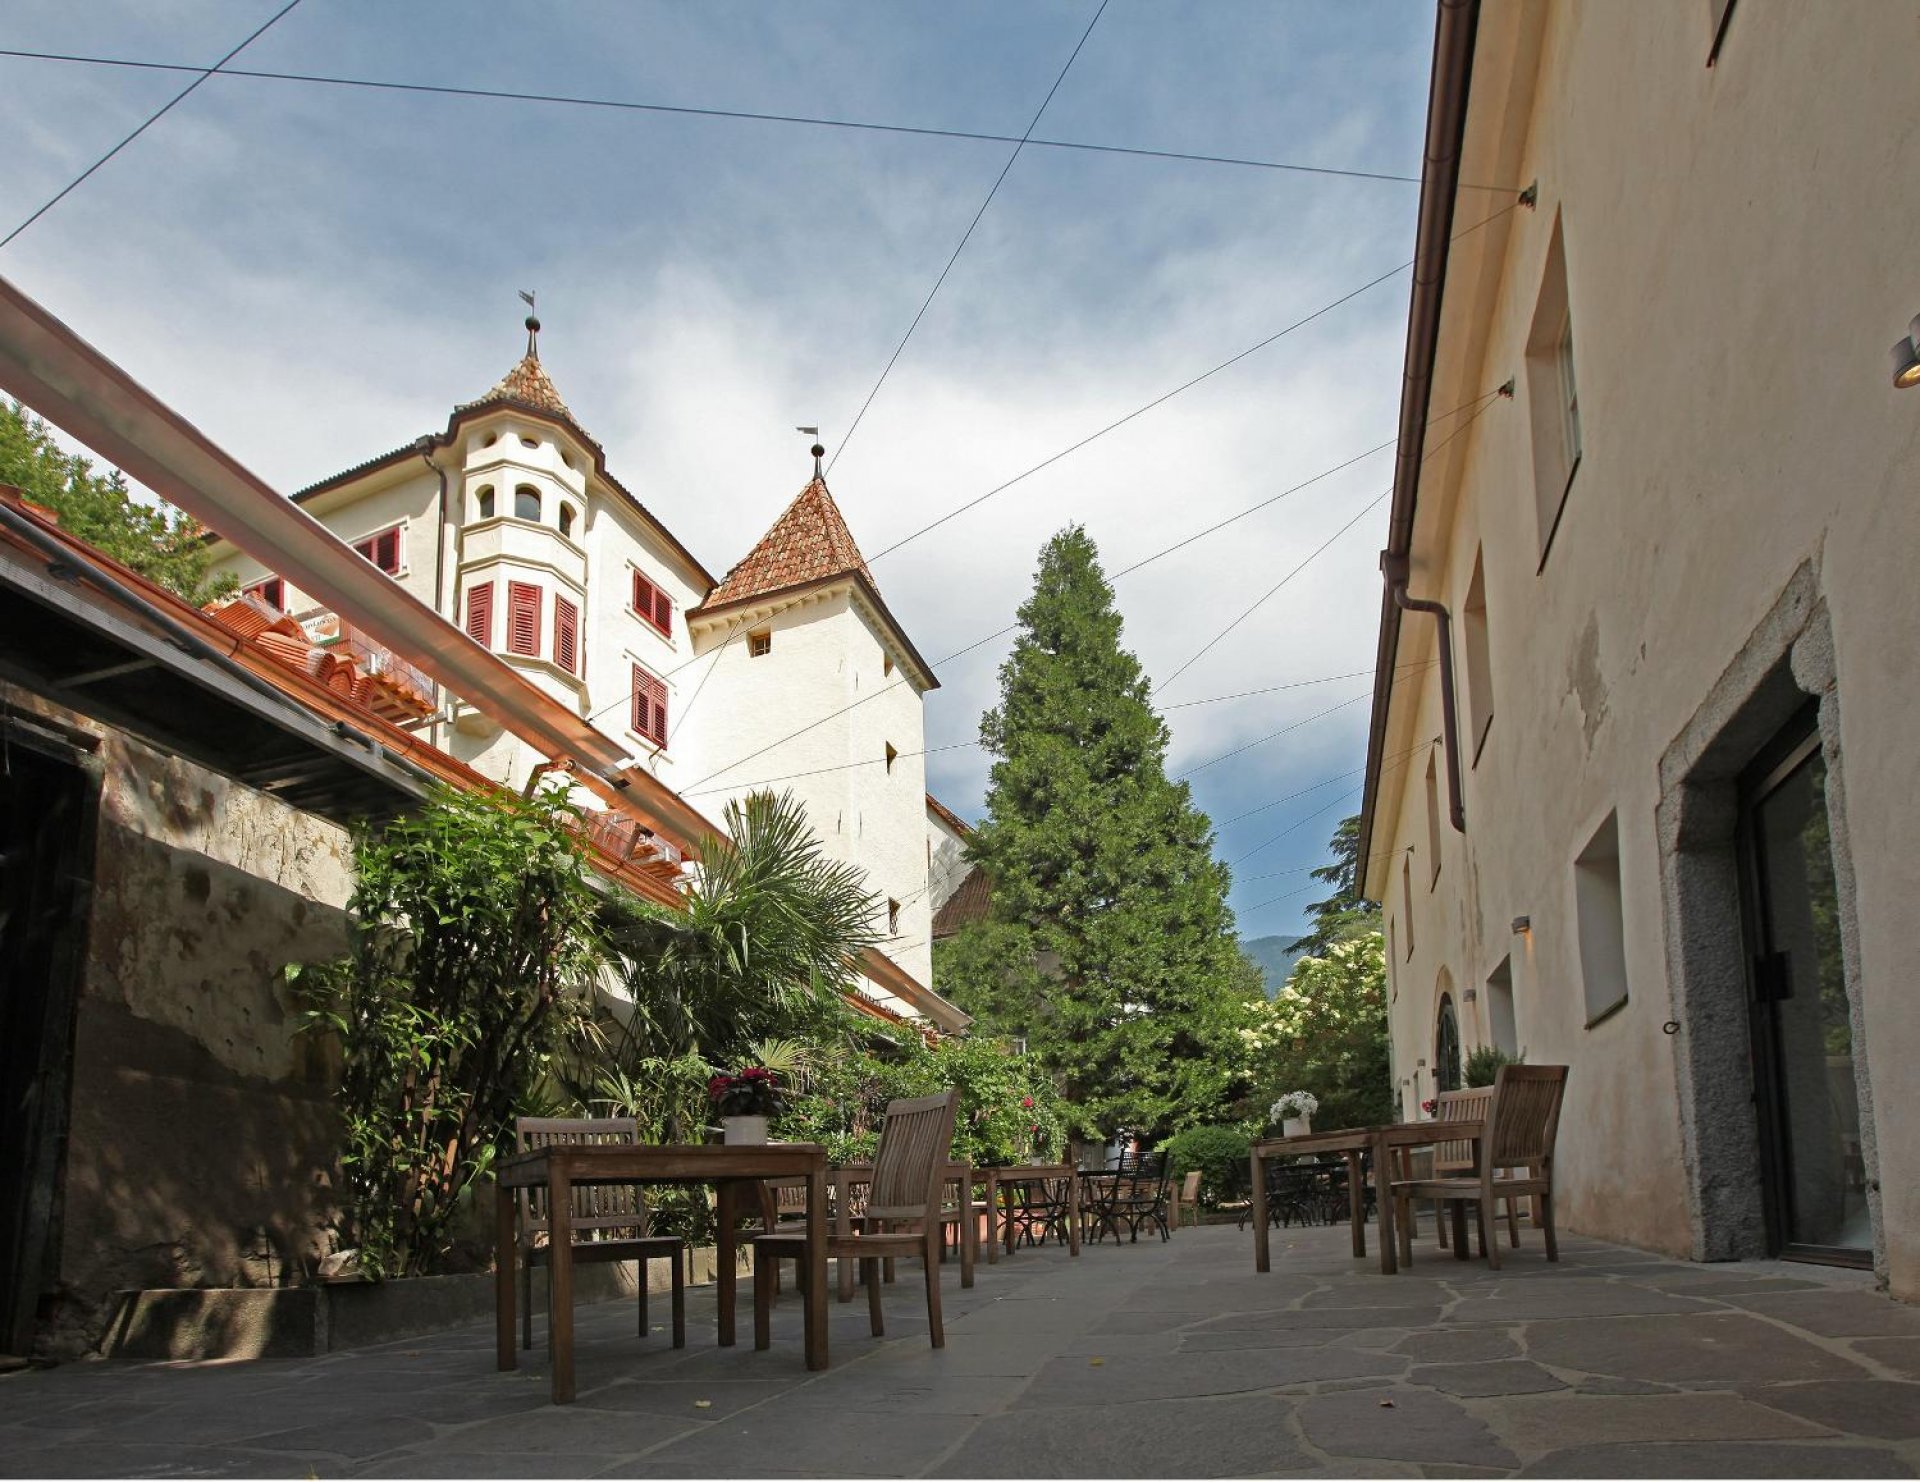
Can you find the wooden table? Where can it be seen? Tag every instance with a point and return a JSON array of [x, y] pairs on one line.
[[1386, 1142], [1028, 1173], [850, 1176], [733, 1171]]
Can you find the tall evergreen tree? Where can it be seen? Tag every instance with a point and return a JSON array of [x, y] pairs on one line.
[[1109, 946], [1345, 913]]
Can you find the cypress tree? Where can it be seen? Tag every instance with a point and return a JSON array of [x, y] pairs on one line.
[[1109, 945]]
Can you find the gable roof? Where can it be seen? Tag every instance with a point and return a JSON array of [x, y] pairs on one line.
[[810, 542], [968, 904], [947, 816]]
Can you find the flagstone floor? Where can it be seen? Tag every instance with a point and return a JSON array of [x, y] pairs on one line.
[[1147, 1360]]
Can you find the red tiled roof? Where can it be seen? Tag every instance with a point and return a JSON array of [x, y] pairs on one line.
[[528, 384], [968, 904], [809, 542], [947, 816], [352, 666]]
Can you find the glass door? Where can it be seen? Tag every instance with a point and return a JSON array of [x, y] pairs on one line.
[[1808, 1107]]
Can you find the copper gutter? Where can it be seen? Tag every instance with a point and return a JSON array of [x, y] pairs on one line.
[[1453, 39], [50, 368]]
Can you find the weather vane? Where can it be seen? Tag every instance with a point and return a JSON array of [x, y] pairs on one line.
[[533, 324], [817, 451]]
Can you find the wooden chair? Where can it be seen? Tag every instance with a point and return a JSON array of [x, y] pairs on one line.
[[609, 1220], [1522, 1119], [1188, 1199], [903, 1216], [1456, 1159]]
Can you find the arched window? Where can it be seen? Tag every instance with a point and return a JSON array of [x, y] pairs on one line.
[[1446, 1047], [526, 503], [566, 520], [483, 502]]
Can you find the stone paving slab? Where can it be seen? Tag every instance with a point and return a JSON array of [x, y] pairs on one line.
[[1154, 1359]]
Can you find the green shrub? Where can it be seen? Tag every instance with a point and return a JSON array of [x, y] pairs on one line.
[[1483, 1065], [1219, 1153]]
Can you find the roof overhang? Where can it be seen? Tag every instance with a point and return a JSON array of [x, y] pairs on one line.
[[77, 631], [64, 379], [904, 986], [748, 610], [1455, 32], [950, 818]]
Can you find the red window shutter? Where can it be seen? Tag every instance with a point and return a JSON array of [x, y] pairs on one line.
[[566, 635], [649, 706], [383, 550], [480, 614], [662, 611], [523, 618], [642, 594], [652, 605]]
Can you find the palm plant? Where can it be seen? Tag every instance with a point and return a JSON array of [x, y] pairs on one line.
[[765, 944]]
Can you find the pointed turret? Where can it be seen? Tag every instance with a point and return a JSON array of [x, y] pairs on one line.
[[528, 382], [809, 543]]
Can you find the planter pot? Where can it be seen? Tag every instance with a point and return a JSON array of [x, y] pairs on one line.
[[1295, 1126], [735, 1131]]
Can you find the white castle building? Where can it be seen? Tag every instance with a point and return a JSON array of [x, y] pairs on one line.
[[790, 673]]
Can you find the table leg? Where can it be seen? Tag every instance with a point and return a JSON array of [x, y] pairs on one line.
[[726, 1278], [1383, 1205], [816, 1319], [1357, 1202], [1262, 1260], [560, 1273], [969, 1230], [993, 1218], [843, 1225], [505, 1286], [1073, 1212]]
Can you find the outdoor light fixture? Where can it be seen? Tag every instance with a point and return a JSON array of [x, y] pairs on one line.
[[1906, 358], [1522, 923]]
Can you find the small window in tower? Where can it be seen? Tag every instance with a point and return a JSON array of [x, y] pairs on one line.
[[529, 442], [566, 635], [526, 503], [480, 613], [523, 618], [483, 502], [891, 754], [893, 918], [566, 521], [759, 645]]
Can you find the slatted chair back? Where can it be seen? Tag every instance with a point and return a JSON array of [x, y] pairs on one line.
[[1470, 1105], [910, 1164], [600, 1211], [1525, 1116]]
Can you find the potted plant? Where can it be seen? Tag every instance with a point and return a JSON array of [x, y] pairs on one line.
[[1294, 1112], [744, 1101]]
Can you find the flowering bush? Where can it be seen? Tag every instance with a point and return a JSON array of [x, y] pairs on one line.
[[752, 1092], [1294, 1104]]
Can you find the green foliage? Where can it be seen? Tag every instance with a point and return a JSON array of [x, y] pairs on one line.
[[157, 541], [473, 947], [1326, 1032], [1483, 1065], [1110, 947], [1220, 1153], [1345, 913], [763, 949], [1009, 1109]]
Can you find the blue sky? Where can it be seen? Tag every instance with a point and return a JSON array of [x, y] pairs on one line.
[[316, 274]]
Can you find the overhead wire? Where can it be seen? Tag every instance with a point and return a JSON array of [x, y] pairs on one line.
[[965, 237], [575, 100], [151, 119]]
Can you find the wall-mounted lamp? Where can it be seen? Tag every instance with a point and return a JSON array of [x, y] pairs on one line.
[[1906, 357], [1522, 923], [1470, 995]]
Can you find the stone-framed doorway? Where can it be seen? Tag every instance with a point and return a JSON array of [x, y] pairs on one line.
[[1784, 664]]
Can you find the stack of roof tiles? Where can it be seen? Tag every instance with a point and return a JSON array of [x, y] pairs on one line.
[[356, 671]]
